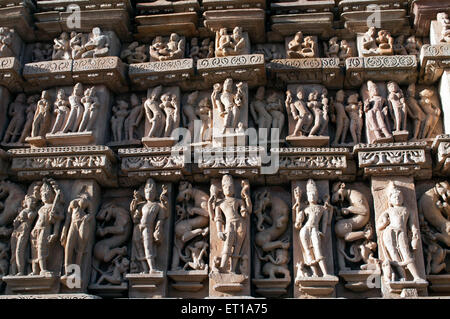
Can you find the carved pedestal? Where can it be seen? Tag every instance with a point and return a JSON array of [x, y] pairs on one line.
[[312, 243], [434, 59], [10, 74]]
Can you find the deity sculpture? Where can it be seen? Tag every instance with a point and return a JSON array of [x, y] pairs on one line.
[[91, 105], [42, 117], [271, 239], [76, 43], [189, 115], [352, 224], [171, 107], [46, 231], [312, 231], [191, 227], [342, 50], [393, 226], [77, 231], [320, 111], [120, 112], [230, 215], [301, 47], [234, 44], [204, 112], [152, 215], [170, 50], [61, 109], [134, 53], [114, 229], [134, 117], [16, 112], [375, 109], [258, 109], [6, 41]]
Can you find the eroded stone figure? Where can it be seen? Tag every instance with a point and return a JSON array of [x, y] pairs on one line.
[[91, 105], [61, 109], [114, 229], [444, 22], [42, 117], [339, 116], [76, 110], [375, 109], [415, 112], [30, 111], [134, 117], [352, 225], [153, 214], [234, 44], [334, 49], [393, 226], [134, 53], [300, 112], [271, 239], [204, 112], [120, 112], [20, 237], [397, 106], [431, 110], [230, 215], [192, 224], [258, 109], [16, 112], [76, 43], [161, 50], [189, 114], [203, 51], [312, 222], [153, 113], [301, 47], [46, 231], [6, 40], [41, 52], [76, 233]]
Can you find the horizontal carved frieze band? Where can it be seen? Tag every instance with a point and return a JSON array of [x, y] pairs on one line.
[[231, 61], [392, 157], [61, 162], [171, 66], [11, 63], [381, 62], [62, 150], [155, 162], [311, 162], [309, 63], [217, 161]]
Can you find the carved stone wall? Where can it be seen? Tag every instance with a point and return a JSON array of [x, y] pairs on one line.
[[204, 149]]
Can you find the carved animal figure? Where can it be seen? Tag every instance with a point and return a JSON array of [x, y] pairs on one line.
[[278, 217], [108, 248], [434, 207]]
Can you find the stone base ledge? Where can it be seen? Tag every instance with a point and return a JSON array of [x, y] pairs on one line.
[[433, 60], [110, 71], [71, 162], [10, 74]]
